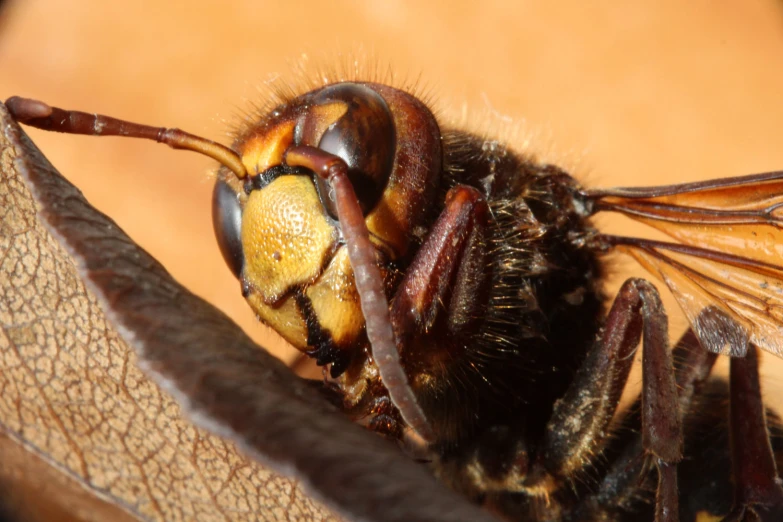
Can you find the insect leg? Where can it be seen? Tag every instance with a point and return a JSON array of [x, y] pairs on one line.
[[758, 494], [439, 301], [693, 369], [444, 269], [662, 436], [580, 421], [619, 487]]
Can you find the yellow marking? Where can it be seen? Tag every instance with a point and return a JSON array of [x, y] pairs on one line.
[[705, 516], [262, 152], [384, 223], [543, 488], [336, 302], [285, 319], [285, 236]]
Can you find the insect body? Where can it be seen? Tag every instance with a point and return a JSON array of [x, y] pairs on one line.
[[453, 289], [461, 307]]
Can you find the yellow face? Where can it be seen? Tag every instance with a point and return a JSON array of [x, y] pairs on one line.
[[295, 265], [295, 273], [286, 237], [278, 228]]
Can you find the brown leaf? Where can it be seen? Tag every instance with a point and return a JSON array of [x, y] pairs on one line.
[[32, 489], [71, 392]]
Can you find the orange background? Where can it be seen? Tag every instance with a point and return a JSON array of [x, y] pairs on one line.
[[629, 93]]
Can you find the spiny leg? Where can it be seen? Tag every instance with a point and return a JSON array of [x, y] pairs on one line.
[[693, 367], [662, 436], [758, 494], [439, 303], [447, 268], [625, 476], [580, 421]]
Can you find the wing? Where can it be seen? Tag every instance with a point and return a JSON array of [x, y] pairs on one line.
[[727, 271]]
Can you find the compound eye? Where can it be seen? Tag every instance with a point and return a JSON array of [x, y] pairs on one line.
[[364, 137], [227, 222]]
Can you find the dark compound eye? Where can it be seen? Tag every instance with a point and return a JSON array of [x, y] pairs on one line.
[[364, 136], [227, 222]]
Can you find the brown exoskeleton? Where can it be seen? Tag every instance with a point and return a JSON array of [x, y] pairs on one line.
[[452, 287]]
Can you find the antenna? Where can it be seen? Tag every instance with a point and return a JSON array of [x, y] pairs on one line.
[[43, 116]]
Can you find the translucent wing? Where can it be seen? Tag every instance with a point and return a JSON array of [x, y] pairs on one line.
[[727, 273]]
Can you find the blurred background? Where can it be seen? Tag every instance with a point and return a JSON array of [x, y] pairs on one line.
[[622, 94]]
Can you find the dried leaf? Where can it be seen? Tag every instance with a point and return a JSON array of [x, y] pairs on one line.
[[72, 395], [70, 392]]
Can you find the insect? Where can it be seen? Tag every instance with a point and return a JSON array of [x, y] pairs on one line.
[[452, 289]]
